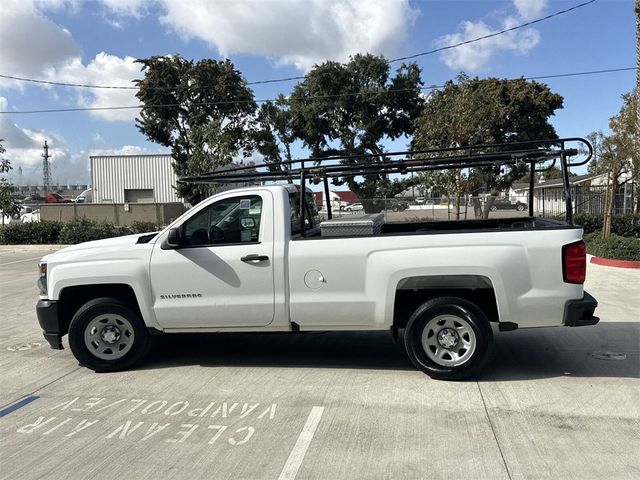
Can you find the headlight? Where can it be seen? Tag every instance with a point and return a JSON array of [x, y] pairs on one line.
[[42, 279]]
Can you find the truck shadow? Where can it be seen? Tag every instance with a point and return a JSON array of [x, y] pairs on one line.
[[371, 350], [518, 355]]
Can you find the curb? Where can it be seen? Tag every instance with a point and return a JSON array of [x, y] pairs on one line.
[[609, 262]]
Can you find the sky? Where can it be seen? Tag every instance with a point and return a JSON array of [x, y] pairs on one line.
[[96, 42]]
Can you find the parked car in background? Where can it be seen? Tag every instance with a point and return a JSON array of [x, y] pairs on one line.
[[505, 204], [85, 197], [353, 207], [34, 198], [53, 197], [22, 209], [398, 206], [32, 216]]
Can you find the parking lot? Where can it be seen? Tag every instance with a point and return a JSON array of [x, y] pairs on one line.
[[553, 403]]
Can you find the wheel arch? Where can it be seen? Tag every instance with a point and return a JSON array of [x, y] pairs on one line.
[[75, 296], [411, 292]]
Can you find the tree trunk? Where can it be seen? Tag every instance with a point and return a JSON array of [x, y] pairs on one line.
[[637, 93], [489, 201], [458, 193], [477, 207], [612, 184]]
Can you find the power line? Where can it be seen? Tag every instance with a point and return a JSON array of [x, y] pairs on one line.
[[301, 77], [311, 97], [495, 34]]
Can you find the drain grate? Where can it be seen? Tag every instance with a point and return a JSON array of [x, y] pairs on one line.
[[609, 356]]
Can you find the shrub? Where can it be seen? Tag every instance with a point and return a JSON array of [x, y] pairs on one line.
[[144, 227], [83, 230], [625, 225], [30, 233], [589, 222], [615, 247]]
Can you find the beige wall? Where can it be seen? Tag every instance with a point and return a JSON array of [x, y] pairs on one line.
[[162, 213]]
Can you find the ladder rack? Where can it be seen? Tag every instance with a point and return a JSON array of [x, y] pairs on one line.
[[316, 169]]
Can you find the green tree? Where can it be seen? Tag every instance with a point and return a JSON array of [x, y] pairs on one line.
[[201, 110], [617, 155], [273, 134], [8, 206], [474, 111], [351, 109]]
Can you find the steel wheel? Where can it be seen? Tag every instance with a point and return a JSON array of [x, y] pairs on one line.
[[109, 336], [448, 340]]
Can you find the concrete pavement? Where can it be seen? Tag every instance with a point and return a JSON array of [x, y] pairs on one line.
[[325, 406]]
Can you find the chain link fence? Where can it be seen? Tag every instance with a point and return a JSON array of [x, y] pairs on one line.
[[548, 202]]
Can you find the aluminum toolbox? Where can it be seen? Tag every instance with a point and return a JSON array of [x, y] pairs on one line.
[[368, 224]]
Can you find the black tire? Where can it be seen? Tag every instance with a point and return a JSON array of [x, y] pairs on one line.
[[520, 207], [395, 208], [474, 323], [493, 208], [111, 313]]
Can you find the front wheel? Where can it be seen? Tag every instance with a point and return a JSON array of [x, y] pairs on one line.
[[106, 335], [520, 207], [493, 208], [448, 338]]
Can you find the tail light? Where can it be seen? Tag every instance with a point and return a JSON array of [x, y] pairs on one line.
[[574, 262]]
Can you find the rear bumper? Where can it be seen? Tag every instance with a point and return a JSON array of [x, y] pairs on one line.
[[48, 319], [579, 313]]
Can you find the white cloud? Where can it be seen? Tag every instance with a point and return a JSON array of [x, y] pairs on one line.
[[30, 41], [476, 56], [104, 69], [24, 150], [35, 47], [530, 9], [294, 32], [133, 8]]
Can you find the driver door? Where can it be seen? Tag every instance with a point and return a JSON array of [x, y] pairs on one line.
[[221, 275]]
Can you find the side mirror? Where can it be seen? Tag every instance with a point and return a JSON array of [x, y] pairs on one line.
[[173, 238]]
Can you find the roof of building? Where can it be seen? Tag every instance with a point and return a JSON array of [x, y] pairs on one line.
[[555, 182]]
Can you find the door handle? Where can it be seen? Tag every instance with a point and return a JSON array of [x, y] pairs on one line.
[[254, 258]]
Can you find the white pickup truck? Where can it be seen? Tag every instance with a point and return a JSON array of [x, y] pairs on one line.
[[238, 263]]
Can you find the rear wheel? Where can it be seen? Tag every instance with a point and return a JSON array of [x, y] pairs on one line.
[[106, 335], [448, 338], [520, 207]]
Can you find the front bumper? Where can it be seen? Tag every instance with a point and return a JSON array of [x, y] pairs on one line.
[[47, 312], [579, 313]]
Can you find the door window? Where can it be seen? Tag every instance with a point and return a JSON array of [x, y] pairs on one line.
[[228, 221]]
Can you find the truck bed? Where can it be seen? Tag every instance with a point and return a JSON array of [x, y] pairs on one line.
[[458, 226]]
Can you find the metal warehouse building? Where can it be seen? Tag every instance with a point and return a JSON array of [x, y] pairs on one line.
[[133, 179]]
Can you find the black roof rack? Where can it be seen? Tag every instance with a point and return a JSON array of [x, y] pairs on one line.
[[315, 169]]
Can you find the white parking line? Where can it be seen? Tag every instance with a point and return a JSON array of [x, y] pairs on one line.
[[296, 456], [20, 261]]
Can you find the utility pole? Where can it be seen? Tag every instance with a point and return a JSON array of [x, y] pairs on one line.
[[46, 173]]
